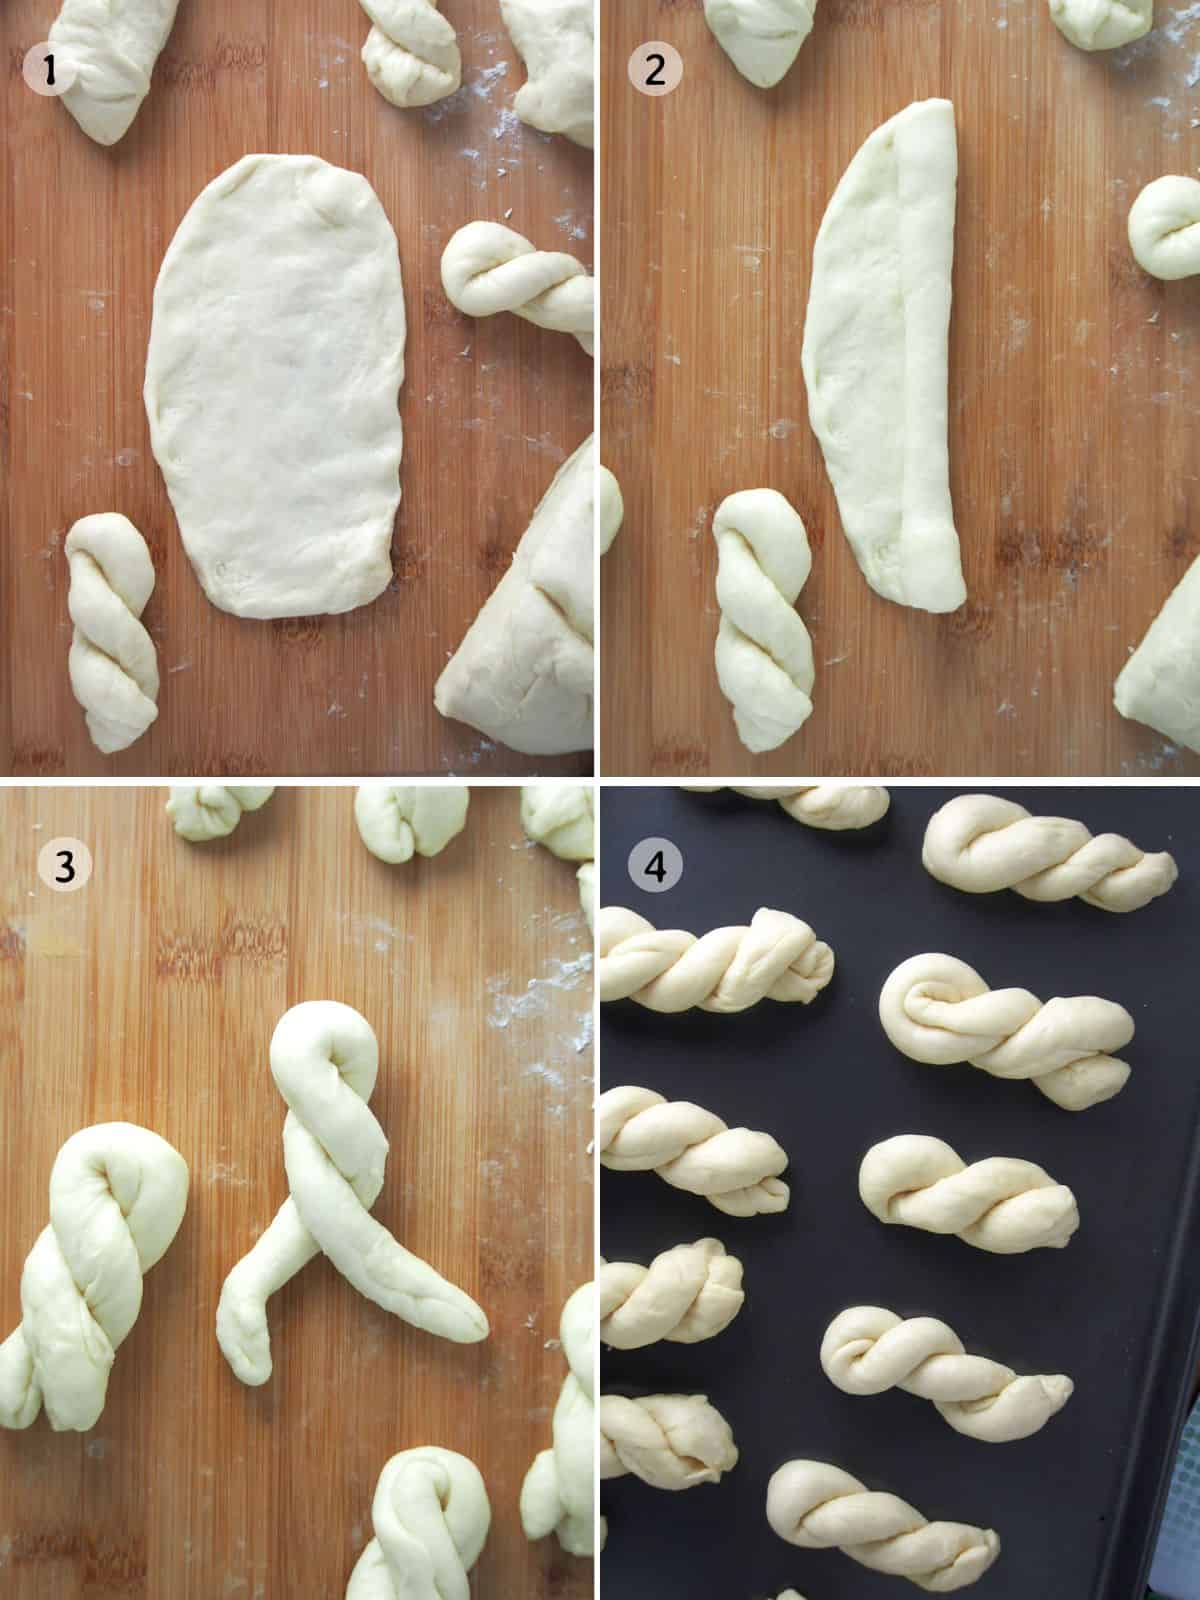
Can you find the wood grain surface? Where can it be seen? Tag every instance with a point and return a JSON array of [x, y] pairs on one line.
[[1073, 394], [489, 409], [151, 995]]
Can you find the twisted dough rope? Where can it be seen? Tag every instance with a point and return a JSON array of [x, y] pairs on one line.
[[411, 54], [670, 1441], [112, 662], [325, 1059], [820, 1507], [207, 811], [117, 1197], [431, 1516], [396, 823], [559, 1492], [937, 1009], [1164, 228], [834, 807], [979, 843], [691, 1149], [761, 37], [487, 268], [1001, 1204], [764, 653], [868, 1349], [777, 957], [686, 1294]]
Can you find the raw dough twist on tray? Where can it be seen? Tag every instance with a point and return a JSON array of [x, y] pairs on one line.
[[761, 37], [114, 44], [834, 807], [691, 1149], [325, 1059], [764, 653], [1103, 24], [670, 1441], [487, 268], [937, 1009], [1001, 1204], [686, 1294], [980, 843], [559, 1492], [1164, 228], [411, 54], [431, 1516], [207, 811], [112, 662], [820, 1507], [867, 1350], [117, 1197], [396, 823], [777, 957]]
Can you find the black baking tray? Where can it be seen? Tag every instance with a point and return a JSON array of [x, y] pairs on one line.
[[1077, 1505]]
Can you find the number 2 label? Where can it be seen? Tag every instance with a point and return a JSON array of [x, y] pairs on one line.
[[655, 68]]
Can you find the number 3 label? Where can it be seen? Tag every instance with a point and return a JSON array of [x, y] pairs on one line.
[[656, 68], [655, 865], [64, 865]]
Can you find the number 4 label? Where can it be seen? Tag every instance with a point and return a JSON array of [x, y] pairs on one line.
[[655, 865]]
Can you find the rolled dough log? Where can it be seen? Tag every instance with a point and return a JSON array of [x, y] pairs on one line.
[[113, 45], [1160, 683], [411, 54]]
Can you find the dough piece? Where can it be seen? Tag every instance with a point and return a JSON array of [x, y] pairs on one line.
[[867, 1350], [559, 816], [276, 356], [114, 44], [587, 892], [1103, 24], [834, 807], [820, 1507], [670, 1441], [488, 268], [612, 508], [1160, 683], [777, 957], [687, 1294], [761, 37], [431, 1515], [876, 356], [980, 844], [559, 1492], [524, 674], [113, 665], [396, 823], [555, 40], [1002, 1205], [207, 811], [764, 653], [411, 54], [937, 1009], [117, 1197], [324, 1059], [1164, 228], [734, 1169]]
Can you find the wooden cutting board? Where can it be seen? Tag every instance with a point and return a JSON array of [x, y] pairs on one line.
[[150, 995], [1073, 386], [489, 410]]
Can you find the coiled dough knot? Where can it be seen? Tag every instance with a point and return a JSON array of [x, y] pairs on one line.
[[431, 1515], [487, 268], [1003, 1205], [686, 1294], [764, 653], [777, 957], [561, 817], [980, 843], [112, 661], [559, 1492], [117, 1197], [397, 823], [670, 1441], [820, 1507], [1164, 228], [735, 1170], [867, 1350], [937, 1009], [207, 811], [761, 37], [834, 807], [1103, 24], [411, 54]]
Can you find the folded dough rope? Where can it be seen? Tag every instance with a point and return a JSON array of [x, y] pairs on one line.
[[207, 811], [937, 1009], [559, 1492], [488, 268], [396, 823], [867, 1350], [117, 1197], [556, 41], [980, 844], [411, 54], [670, 1441], [1160, 683], [114, 47], [691, 1149], [112, 662], [761, 37], [834, 807], [820, 1507], [1103, 24], [1001, 1204], [777, 957], [325, 1059], [686, 1294], [431, 1516]]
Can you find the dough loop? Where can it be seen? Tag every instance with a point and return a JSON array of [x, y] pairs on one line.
[[207, 811], [670, 1441], [411, 54], [431, 1515], [686, 1294], [1164, 228], [397, 823], [559, 1492], [488, 268], [834, 807], [113, 666]]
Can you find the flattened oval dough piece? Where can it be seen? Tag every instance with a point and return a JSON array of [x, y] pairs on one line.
[[276, 357], [876, 356], [1103, 24], [1160, 683]]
